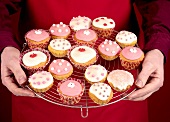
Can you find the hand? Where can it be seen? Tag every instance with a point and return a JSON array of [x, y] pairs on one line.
[[10, 66], [151, 77]]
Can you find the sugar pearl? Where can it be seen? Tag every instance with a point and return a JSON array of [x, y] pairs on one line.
[[59, 30], [60, 64], [58, 70], [52, 31], [52, 68], [107, 49]]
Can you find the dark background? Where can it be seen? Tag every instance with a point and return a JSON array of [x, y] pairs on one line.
[[158, 103]]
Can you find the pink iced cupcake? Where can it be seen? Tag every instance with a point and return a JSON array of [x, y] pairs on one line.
[[59, 31], [85, 36], [109, 50], [70, 91], [37, 38], [131, 57], [60, 69]]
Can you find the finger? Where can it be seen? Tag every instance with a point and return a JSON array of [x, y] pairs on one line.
[[19, 74], [142, 98], [12, 87], [149, 88], [147, 70]]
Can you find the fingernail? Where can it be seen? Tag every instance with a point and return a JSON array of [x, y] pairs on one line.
[[139, 83], [22, 80]]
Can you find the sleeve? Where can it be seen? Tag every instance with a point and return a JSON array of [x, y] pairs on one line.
[[7, 7], [155, 24]]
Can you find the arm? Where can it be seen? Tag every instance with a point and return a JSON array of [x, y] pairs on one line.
[[10, 65], [156, 27]]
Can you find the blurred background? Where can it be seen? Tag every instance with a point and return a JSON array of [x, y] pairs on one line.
[[158, 103]]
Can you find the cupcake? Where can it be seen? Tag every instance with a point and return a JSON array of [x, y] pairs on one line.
[[70, 91], [59, 47], [126, 38], [131, 57], [59, 31], [41, 81], [100, 93], [103, 26], [34, 59], [95, 74], [120, 80], [82, 56], [85, 36], [78, 23], [60, 69], [37, 38], [109, 50]]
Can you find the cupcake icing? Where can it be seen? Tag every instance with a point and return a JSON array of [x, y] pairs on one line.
[[71, 88], [126, 37], [86, 35], [95, 73], [79, 22], [82, 54], [101, 90], [60, 44], [132, 53], [34, 58], [120, 79], [37, 35], [59, 29], [109, 48], [60, 67], [40, 79], [103, 22]]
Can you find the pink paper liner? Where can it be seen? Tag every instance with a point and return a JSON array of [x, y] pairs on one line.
[[77, 65], [33, 70], [41, 45], [70, 100]]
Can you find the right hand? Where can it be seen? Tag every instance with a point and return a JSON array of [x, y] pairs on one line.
[[10, 66]]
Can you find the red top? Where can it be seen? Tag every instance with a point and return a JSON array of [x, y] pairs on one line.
[[43, 13]]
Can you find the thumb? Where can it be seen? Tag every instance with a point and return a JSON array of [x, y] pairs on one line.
[[147, 70]]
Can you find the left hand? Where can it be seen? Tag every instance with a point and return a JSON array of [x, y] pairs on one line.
[[151, 77]]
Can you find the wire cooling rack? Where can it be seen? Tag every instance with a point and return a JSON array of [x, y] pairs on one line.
[[52, 95]]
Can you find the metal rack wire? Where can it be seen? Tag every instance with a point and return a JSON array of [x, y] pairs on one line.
[[52, 95]]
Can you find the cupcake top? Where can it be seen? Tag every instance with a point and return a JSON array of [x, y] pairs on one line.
[[60, 44], [109, 48], [126, 37], [34, 58], [103, 22], [60, 67], [120, 79], [37, 35], [79, 22], [40, 79], [71, 88], [86, 35], [59, 29], [95, 73], [132, 53], [83, 54], [101, 90]]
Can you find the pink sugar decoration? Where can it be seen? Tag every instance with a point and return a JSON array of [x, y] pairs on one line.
[[47, 79], [33, 78], [97, 20], [43, 82], [93, 75], [38, 83], [102, 74], [34, 83], [88, 73], [43, 73], [97, 78]]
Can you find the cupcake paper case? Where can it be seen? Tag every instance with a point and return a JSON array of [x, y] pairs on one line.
[[35, 59], [37, 38], [70, 90], [131, 57]]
